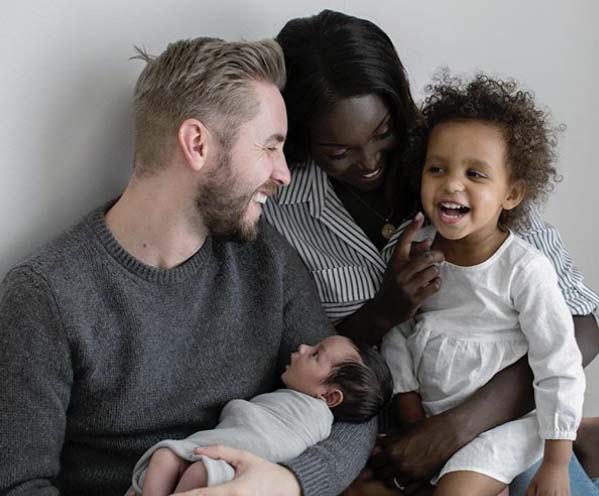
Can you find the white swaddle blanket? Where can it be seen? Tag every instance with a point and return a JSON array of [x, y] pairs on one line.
[[276, 426]]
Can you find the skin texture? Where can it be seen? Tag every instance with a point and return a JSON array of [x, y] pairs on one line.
[[311, 365], [353, 141], [466, 165], [229, 194], [251, 472]]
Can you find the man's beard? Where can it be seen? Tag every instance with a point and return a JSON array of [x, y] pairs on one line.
[[222, 208]]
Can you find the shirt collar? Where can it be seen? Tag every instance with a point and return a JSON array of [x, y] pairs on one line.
[[309, 184]]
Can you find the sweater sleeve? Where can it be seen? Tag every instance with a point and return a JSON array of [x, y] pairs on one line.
[[330, 466], [553, 354], [36, 372]]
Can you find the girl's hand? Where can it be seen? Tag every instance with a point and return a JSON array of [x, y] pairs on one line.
[[411, 276], [550, 480]]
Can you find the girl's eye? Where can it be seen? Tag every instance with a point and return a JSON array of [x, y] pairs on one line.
[[475, 174], [433, 169]]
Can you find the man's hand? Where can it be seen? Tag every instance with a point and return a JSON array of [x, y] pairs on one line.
[[411, 276], [418, 453], [254, 476]]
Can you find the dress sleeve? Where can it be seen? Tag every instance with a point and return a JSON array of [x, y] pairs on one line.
[[394, 349], [580, 299], [553, 354], [35, 367], [328, 467]]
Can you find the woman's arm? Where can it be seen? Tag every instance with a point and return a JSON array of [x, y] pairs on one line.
[[407, 408]]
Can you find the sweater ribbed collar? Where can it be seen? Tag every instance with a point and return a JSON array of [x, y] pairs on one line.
[[192, 266]]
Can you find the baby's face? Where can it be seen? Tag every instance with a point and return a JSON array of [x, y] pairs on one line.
[[311, 365]]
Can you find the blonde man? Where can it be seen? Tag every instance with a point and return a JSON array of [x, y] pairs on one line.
[[140, 322]]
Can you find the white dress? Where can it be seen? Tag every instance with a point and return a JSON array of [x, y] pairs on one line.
[[485, 318]]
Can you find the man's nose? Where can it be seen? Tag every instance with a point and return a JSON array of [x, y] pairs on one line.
[[280, 174]]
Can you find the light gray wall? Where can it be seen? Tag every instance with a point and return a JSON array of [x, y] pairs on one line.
[[65, 131]]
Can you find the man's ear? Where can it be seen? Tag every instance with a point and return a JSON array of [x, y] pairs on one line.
[[195, 141], [514, 196], [333, 397]]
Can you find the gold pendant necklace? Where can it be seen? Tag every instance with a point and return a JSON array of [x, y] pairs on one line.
[[388, 228]]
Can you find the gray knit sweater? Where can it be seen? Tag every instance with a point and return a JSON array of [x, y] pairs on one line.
[[102, 356]]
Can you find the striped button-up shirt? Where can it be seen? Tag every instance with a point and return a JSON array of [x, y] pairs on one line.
[[348, 268]]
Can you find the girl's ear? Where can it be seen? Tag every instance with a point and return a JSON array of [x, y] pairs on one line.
[[515, 195], [332, 397]]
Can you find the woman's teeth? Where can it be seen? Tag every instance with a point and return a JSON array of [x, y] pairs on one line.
[[372, 174]]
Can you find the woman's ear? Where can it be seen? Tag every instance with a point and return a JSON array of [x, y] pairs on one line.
[[515, 195], [332, 397], [195, 143]]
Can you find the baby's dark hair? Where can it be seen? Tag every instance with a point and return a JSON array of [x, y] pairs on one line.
[[530, 138], [367, 385]]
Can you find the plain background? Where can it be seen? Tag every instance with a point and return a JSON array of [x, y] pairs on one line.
[[66, 86]]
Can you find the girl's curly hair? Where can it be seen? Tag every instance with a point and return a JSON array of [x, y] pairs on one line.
[[530, 138]]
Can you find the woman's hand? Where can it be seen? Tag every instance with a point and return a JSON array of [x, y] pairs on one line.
[[411, 277], [418, 453]]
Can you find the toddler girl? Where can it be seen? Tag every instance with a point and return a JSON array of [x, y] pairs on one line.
[[487, 152]]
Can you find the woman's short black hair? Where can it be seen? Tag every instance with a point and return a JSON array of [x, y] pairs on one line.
[[331, 56], [367, 385]]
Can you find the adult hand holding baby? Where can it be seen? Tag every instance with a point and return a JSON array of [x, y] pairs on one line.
[[250, 473]]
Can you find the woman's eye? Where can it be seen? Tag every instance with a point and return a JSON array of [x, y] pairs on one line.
[[384, 134], [338, 156]]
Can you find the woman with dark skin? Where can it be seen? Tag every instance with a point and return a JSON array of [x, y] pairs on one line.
[[350, 109]]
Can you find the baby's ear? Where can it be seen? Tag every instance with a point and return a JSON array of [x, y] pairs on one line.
[[515, 195], [333, 397]]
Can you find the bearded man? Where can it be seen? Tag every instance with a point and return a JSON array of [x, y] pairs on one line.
[[140, 322]]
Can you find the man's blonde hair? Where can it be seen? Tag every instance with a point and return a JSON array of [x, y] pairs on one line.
[[206, 79]]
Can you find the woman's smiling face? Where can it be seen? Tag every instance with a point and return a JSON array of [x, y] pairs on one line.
[[352, 142]]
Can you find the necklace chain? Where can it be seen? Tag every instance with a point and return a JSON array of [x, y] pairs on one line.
[[388, 228]]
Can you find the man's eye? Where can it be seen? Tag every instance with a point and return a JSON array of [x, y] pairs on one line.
[[315, 354]]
